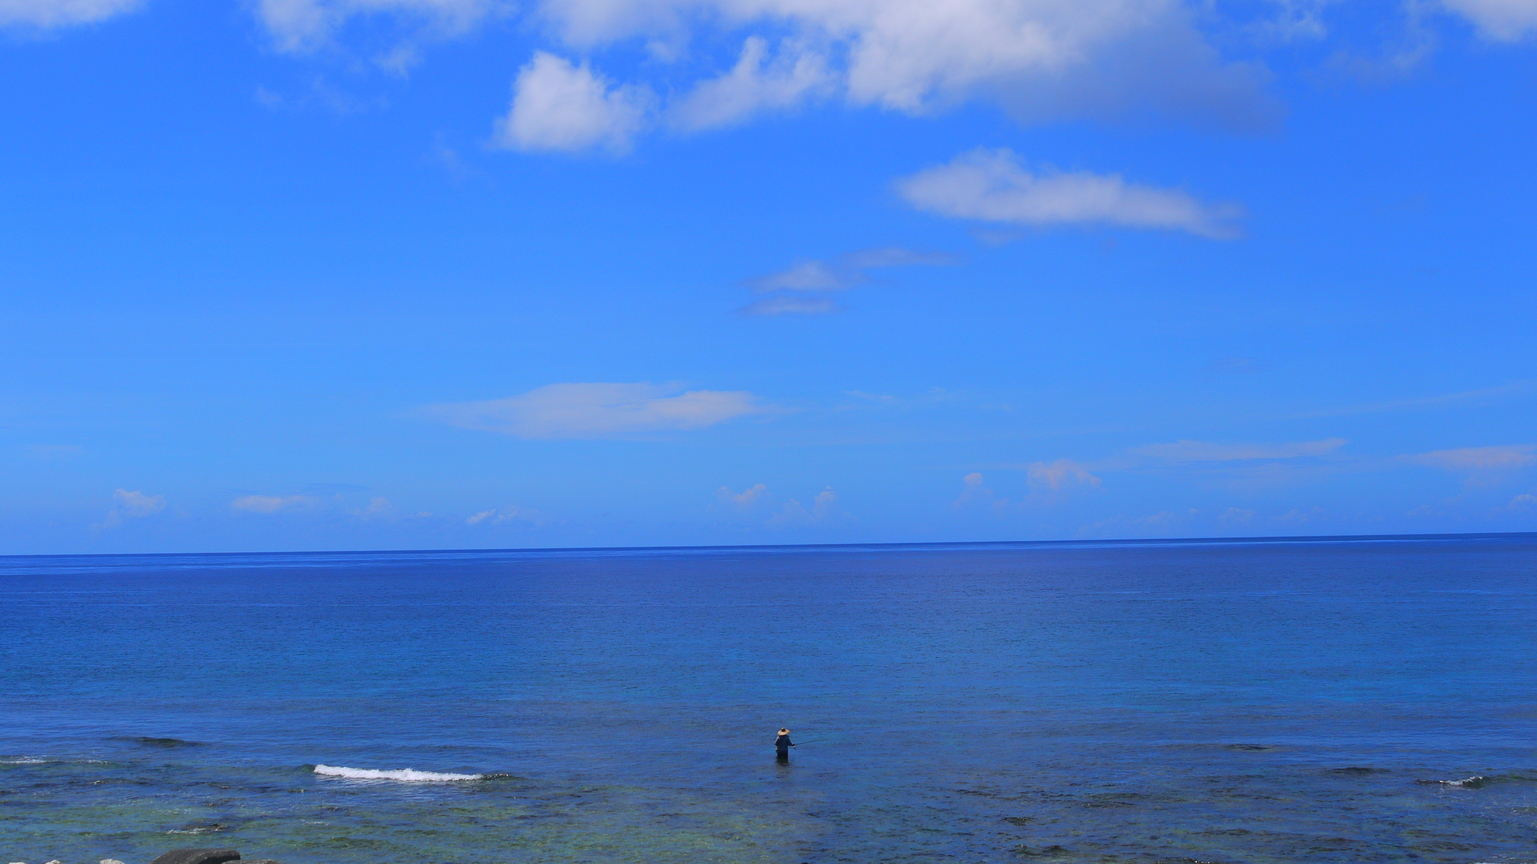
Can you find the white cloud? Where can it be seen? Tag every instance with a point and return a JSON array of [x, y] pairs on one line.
[[1500, 20], [506, 514], [557, 105], [1035, 57], [757, 84], [1059, 474], [1205, 451], [807, 276], [746, 498], [61, 13], [602, 410], [991, 186], [976, 492], [377, 508], [301, 25], [138, 504], [1480, 465], [823, 506], [272, 503], [1236, 514], [790, 305], [132, 505], [844, 271]]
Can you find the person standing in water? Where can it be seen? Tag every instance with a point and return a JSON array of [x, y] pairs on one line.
[[782, 745]]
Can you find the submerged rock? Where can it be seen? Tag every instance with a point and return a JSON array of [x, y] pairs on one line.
[[197, 856], [148, 741]]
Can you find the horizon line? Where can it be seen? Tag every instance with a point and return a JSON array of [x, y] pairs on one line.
[[1297, 538]]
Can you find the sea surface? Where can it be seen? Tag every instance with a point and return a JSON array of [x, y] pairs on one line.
[[1368, 700]]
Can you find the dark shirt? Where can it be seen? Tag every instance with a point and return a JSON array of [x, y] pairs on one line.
[[783, 743]]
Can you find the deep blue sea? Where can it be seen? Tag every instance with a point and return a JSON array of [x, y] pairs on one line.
[[1284, 701]]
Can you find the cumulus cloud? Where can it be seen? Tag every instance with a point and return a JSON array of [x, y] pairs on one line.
[[61, 13], [1205, 451], [558, 105], [602, 410], [272, 503], [992, 186], [1035, 57], [823, 506], [757, 84], [137, 503], [1500, 20], [745, 499], [976, 492]]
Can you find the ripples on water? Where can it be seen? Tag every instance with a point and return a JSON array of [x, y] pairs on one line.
[[1224, 702]]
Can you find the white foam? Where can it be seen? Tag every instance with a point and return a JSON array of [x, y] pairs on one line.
[[23, 761], [405, 775]]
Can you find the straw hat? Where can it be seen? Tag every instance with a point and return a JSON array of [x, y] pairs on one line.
[[784, 731]]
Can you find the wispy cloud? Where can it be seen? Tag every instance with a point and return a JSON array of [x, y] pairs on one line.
[[602, 410], [992, 186], [770, 307], [305, 25], [1518, 388], [1206, 451], [1480, 458], [273, 503], [759, 83], [801, 288], [845, 271], [55, 451], [61, 13], [132, 505], [1480, 466], [504, 515]]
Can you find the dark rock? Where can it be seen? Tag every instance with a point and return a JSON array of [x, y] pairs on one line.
[[168, 743], [201, 826], [197, 856]]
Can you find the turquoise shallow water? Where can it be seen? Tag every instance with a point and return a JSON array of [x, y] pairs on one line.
[[1344, 701]]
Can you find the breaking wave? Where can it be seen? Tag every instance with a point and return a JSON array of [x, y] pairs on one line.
[[404, 775]]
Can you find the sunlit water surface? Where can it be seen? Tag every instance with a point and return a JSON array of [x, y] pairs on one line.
[[1363, 701]]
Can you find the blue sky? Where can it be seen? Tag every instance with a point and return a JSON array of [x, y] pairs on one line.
[[340, 274]]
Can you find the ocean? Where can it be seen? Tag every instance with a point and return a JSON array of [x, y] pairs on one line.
[[1364, 700]]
